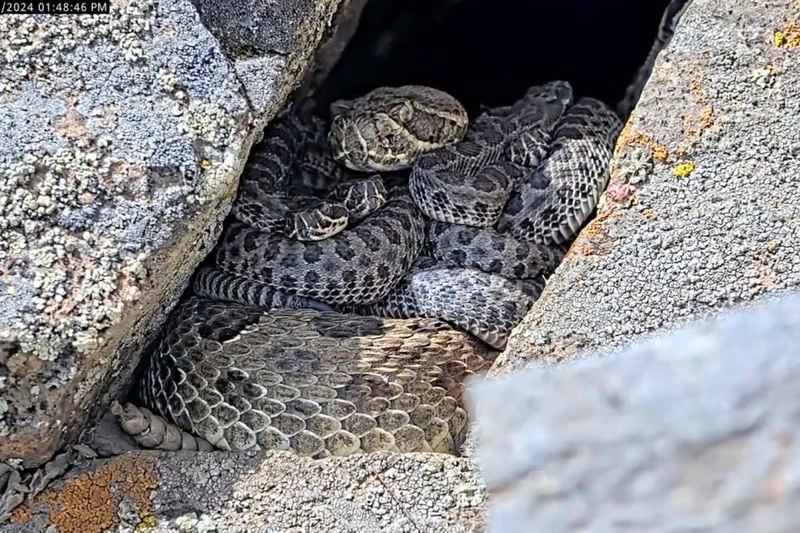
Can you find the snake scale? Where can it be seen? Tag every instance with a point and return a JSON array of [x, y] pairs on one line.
[[369, 268]]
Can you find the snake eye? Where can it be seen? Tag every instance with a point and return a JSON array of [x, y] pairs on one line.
[[404, 112], [384, 125], [340, 106]]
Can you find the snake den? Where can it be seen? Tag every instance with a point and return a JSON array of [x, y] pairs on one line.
[[301, 230], [381, 248]]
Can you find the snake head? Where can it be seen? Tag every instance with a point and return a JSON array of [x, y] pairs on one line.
[[340, 106], [388, 128], [317, 223], [349, 145]]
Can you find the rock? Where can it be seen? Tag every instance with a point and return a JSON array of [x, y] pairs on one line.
[[693, 432], [267, 492], [121, 141], [276, 46], [701, 213]]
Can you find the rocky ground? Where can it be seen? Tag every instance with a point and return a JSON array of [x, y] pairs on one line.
[[187, 491]]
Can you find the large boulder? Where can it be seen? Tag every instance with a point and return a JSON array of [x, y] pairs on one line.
[[121, 141], [701, 213], [693, 432]]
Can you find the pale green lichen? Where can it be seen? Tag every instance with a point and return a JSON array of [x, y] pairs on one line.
[[210, 123], [32, 48], [636, 164], [65, 269], [172, 85], [70, 283], [215, 132], [765, 77]]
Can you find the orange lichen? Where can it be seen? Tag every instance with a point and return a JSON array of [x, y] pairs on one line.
[[697, 90], [650, 214], [19, 515], [89, 503], [660, 153], [594, 239], [601, 245], [596, 225], [629, 137], [787, 37], [707, 117], [696, 123]]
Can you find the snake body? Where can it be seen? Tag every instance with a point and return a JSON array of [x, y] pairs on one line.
[[560, 194], [317, 383], [470, 182], [328, 320]]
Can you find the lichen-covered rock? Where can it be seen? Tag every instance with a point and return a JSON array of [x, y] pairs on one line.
[[701, 212], [693, 432], [269, 492], [121, 141]]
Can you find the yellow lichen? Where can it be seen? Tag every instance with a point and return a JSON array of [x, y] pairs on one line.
[[787, 37], [772, 246], [88, 503], [148, 522], [683, 170], [205, 164]]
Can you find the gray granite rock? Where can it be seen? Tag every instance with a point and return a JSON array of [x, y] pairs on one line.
[[693, 432], [701, 213], [121, 141]]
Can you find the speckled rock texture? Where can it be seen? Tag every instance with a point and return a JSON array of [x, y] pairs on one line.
[[121, 141], [268, 493], [266, 38], [702, 211], [693, 432]]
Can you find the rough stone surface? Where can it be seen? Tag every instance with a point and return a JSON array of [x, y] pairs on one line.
[[272, 492], [263, 38], [121, 141], [702, 212], [694, 432]]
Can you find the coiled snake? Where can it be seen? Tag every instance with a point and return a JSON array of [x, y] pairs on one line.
[[283, 346]]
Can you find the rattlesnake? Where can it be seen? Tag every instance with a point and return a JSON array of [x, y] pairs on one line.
[[239, 375], [318, 383]]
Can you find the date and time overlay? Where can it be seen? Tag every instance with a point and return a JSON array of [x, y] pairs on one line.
[[56, 7]]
